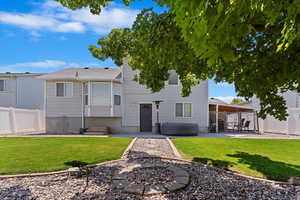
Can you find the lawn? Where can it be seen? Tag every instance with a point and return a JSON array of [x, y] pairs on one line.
[[271, 159], [36, 154]]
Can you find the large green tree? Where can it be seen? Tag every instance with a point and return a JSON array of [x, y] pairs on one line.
[[254, 44]]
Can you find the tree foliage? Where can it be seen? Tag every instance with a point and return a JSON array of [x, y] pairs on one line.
[[237, 101], [254, 44]]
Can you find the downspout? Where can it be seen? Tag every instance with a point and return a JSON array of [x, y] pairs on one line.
[[82, 106], [82, 102], [111, 99]]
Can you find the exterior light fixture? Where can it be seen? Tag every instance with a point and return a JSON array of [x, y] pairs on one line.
[[157, 124]]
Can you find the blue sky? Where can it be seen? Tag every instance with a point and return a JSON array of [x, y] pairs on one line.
[[43, 36]]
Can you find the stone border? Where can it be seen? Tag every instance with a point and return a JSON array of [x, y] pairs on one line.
[[57, 172], [174, 149], [162, 158], [181, 180], [129, 147]]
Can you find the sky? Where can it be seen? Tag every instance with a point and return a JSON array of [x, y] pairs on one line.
[[43, 36]]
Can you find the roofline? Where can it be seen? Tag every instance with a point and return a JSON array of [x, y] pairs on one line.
[[233, 106], [20, 74], [85, 80]]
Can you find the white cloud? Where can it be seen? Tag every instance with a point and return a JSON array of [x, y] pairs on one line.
[[227, 99], [42, 65], [36, 22], [26, 20], [39, 64], [51, 16], [70, 27], [35, 34]]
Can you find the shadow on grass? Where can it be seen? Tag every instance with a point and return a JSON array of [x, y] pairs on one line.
[[76, 163], [223, 164], [271, 169]]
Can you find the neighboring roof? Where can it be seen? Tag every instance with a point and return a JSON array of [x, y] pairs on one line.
[[85, 74], [216, 101], [224, 105], [9, 74]]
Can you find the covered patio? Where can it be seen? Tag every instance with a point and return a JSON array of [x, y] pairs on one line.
[[225, 117]]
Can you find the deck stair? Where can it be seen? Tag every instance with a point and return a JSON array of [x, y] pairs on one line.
[[103, 130]]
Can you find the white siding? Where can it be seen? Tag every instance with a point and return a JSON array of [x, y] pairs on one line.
[[291, 125], [117, 90], [135, 94], [8, 98], [291, 99], [30, 92], [63, 106]]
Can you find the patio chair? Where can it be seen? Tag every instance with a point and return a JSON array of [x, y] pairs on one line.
[[246, 126], [240, 125]]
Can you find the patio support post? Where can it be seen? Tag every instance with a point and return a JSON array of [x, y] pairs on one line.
[[254, 121], [239, 121], [217, 118], [82, 105]]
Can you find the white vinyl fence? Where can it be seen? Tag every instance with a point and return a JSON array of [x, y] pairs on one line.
[[290, 126], [14, 120]]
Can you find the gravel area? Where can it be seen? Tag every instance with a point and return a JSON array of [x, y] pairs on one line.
[[150, 148], [105, 181], [205, 183]]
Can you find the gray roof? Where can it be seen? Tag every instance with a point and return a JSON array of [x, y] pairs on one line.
[[10, 74], [216, 101], [85, 74]]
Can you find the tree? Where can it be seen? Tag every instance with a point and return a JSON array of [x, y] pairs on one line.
[[237, 101], [254, 44]]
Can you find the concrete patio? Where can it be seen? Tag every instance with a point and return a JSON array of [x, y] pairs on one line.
[[154, 135]]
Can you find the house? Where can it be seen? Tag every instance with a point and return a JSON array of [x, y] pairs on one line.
[[86, 97], [289, 126], [21, 90]]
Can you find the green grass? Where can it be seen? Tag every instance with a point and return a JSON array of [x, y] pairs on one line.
[[271, 159], [36, 154]]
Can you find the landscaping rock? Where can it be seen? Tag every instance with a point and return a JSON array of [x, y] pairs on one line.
[[147, 176], [205, 183]]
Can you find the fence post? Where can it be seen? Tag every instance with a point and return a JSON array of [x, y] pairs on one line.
[[13, 123], [39, 124]]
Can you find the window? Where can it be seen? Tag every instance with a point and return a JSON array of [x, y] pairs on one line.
[[100, 93], [117, 100], [64, 89], [183, 110], [173, 80], [3, 85]]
